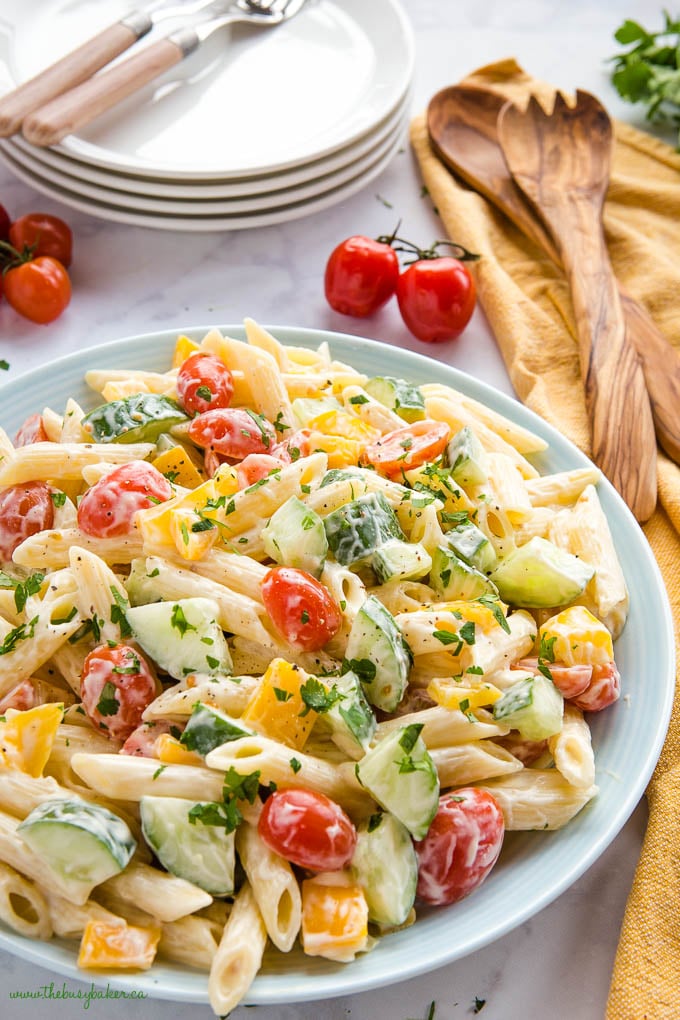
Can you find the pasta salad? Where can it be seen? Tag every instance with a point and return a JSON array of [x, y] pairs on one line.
[[284, 651]]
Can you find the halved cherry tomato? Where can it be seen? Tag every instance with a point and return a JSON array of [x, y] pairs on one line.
[[116, 685], [44, 234], [39, 288], [25, 510], [461, 846], [436, 298], [361, 275], [32, 431], [293, 446], [308, 829], [604, 689], [5, 223], [408, 447], [142, 741], [108, 508], [21, 697], [570, 681], [204, 382], [255, 467], [233, 432], [300, 607]]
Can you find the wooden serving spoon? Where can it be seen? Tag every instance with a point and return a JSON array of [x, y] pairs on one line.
[[561, 161], [462, 124]]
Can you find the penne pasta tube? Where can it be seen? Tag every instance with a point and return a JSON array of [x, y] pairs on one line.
[[239, 954], [230, 694], [563, 488], [69, 920], [64, 462], [158, 893], [273, 760], [524, 440], [189, 940], [261, 375], [127, 777], [462, 764], [444, 726], [537, 798], [23, 906], [274, 887], [50, 550], [99, 592], [572, 749]]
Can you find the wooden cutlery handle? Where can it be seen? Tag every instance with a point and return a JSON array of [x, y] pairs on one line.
[[68, 72], [623, 440], [81, 105]]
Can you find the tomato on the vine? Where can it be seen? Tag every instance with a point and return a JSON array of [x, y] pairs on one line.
[[361, 275], [43, 235], [38, 288], [436, 298]]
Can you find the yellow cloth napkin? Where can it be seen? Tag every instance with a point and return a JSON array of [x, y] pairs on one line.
[[526, 300]]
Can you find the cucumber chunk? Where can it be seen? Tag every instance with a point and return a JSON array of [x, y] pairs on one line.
[[452, 578], [356, 530], [182, 637], [540, 575], [82, 843], [402, 397], [532, 706], [386, 865], [466, 458], [350, 720], [140, 418], [295, 536], [140, 583], [471, 544], [306, 409], [405, 560], [377, 652], [199, 853], [400, 775], [209, 728]]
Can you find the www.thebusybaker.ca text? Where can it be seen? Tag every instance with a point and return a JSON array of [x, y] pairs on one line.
[[85, 995]]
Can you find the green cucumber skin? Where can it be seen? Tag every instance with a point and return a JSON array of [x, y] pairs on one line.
[[407, 560], [386, 866], [208, 728], [76, 823], [466, 458], [198, 853], [351, 721], [453, 578], [356, 530], [200, 648], [540, 575], [137, 419], [470, 544], [295, 537], [400, 396], [533, 706], [376, 637]]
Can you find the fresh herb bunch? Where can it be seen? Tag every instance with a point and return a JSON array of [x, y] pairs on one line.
[[649, 71]]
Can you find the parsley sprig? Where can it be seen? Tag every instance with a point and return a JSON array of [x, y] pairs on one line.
[[649, 70], [226, 813]]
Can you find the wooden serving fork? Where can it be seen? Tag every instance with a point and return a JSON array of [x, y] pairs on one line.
[[560, 161]]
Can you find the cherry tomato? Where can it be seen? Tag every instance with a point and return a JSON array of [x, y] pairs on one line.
[[5, 222], [308, 829], [116, 685], [361, 275], [25, 510], [293, 446], [300, 607], [461, 846], [255, 467], [32, 431], [203, 383], [407, 447], [436, 298], [570, 681], [108, 508], [604, 689], [21, 697], [39, 289], [233, 432], [142, 741], [44, 234]]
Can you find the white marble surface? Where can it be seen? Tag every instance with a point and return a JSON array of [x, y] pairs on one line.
[[129, 280]]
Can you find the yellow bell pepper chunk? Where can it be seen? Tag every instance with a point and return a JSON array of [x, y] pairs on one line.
[[122, 388], [155, 523], [452, 695], [191, 545], [178, 466], [577, 638], [184, 347], [334, 918], [470, 611], [342, 423], [277, 709], [341, 452], [171, 752], [451, 494], [26, 738], [119, 946]]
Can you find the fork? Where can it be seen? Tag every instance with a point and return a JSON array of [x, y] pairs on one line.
[[78, 106]]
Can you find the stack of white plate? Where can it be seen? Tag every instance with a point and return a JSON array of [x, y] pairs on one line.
[[257, 127]]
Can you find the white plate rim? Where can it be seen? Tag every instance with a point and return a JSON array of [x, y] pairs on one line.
[[98, 156], [323, 981], [206, 206]]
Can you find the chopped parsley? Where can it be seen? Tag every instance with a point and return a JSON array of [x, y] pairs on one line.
[[179, 621], [108, 703], [58, 498], [491, 603], [20, 633], [226, 814], [204, 392], [282, 695], [317, 697], [23, 590], [295, 765], [118, 612]]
